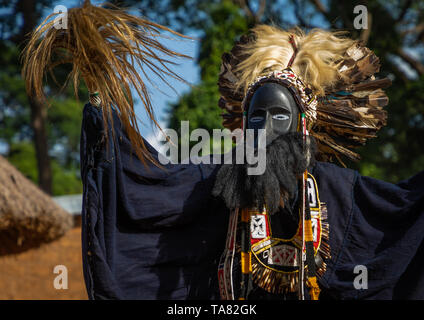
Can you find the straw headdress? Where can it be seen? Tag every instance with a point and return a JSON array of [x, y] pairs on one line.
[[105, 45], [333, 77]]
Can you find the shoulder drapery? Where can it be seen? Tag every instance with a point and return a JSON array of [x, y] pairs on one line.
[[149, 233]]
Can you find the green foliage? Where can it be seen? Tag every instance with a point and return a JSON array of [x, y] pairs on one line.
[[64, 126], [200, 106], [65, 180], [14, 113], [396, 153], [226, 24], [64, 121], [22, 156]]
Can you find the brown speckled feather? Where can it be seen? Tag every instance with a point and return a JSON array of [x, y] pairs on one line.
[[350, 112]]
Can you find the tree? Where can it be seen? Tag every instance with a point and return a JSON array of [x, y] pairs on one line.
[[23, 120], [219, 23], [199, 106], [398, 39], [29, 12], [13, 38]]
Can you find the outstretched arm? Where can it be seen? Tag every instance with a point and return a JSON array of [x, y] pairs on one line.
[[148, 232], [376, 235]]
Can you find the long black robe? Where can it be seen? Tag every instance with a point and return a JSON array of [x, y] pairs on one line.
[[149, 233]]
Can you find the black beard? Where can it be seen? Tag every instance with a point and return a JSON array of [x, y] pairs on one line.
[[285, 162]]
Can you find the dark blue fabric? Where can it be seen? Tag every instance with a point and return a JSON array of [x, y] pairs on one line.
[[375, 224], [149, 233]]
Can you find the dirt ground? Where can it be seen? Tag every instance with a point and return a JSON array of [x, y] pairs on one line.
[[29, 275]]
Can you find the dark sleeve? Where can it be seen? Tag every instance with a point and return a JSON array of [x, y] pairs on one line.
[[147, 232], [378, 225]]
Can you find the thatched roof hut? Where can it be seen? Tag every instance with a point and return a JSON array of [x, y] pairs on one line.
[[28, 216]]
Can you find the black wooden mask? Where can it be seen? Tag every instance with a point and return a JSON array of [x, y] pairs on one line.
[[273, 108]]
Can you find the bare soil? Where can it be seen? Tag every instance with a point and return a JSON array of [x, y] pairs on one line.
[[29, 275]]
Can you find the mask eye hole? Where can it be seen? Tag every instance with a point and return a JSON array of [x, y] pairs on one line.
[[280, 116], [256, 119]]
